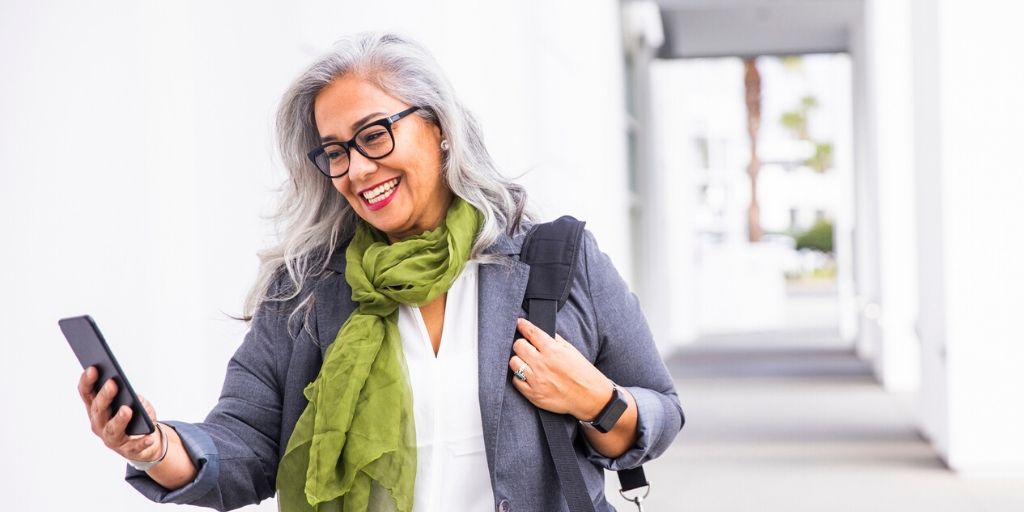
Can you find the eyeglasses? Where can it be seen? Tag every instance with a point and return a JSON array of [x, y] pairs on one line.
[[374, 141]]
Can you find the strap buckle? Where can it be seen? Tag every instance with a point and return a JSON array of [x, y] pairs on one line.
[[636, 495]]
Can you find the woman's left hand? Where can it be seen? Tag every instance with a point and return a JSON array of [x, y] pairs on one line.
[[558, 377]]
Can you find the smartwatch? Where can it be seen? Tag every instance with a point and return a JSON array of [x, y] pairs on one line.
[[611, 413]]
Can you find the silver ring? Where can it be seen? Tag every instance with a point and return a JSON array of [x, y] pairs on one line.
[[520, 373]]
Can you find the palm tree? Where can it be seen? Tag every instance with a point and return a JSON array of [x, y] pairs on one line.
[[752, 87]]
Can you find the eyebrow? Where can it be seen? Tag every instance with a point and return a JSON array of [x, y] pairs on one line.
[[356, 125]]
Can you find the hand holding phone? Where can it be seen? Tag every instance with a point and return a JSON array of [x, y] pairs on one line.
[[112, 427], [122, 419]]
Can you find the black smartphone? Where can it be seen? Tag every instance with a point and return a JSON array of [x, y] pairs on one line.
[[92, 350]]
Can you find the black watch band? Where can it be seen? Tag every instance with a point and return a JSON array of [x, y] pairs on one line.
[[611, 413]]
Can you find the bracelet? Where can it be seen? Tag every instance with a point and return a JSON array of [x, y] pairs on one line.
[[147, 465]]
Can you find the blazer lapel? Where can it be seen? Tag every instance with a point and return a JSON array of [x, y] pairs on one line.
[[333, 306], [333, 301], [501, 291]]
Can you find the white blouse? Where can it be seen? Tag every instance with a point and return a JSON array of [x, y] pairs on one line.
[[451, 467]]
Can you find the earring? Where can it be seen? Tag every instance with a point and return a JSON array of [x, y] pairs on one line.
[[445, 145]]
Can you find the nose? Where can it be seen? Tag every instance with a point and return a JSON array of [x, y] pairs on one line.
[[359, 166]]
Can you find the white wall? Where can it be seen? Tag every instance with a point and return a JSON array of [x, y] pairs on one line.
[[890, 86], [136, 160], [885, 241], [969, 183], [672, 164], [933, 398]]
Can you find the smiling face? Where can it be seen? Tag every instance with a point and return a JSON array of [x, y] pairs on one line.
[[402, 194]]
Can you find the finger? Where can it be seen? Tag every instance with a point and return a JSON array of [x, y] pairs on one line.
[[114, 431], [516, 363], [140, 447], [522, 348], [137, 448], [85, 385], [523, 387], [140, 436], [561, 345], [100, 409], [148, 407], [538, 338]]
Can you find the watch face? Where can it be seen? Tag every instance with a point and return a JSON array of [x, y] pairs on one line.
[[611, 413]]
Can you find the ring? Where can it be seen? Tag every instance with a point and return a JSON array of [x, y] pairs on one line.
[[520, 373]]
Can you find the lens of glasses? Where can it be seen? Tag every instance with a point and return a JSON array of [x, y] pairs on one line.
[[374, 141], [332, 160]]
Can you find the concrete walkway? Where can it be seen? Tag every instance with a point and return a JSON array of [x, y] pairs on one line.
[[792, 421]]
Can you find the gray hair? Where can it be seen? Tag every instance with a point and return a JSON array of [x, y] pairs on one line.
[[316, 218]]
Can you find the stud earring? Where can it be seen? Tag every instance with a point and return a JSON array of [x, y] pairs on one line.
[[445, 145]]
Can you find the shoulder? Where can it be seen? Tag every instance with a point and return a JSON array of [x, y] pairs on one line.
[[292, 294], [570, 228]]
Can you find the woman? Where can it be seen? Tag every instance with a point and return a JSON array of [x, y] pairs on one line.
[[382, 369]]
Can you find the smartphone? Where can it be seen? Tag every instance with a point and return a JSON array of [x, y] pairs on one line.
[[92, 350]]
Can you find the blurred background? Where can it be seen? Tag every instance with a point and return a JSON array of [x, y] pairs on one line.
[[815, 200]]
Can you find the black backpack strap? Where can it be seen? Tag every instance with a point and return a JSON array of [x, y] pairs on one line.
[[634, 480], [551, 251]]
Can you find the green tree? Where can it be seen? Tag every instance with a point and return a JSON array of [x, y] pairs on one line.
[[818, 237], [796, 121], [822, 159]]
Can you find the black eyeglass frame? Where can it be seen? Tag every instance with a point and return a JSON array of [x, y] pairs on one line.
[[351, 143]]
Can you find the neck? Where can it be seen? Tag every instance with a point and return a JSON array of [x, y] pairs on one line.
[[433, 224]]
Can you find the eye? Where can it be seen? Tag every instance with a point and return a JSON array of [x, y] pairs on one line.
[[373, 137], [334, 152]]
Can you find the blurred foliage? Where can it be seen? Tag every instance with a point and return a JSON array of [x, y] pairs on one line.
[[826, 272], [792, 62], [823, 273], [822, 159], [817, 238], [796, 121]]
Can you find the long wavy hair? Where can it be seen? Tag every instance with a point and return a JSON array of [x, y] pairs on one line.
[[313, 218]]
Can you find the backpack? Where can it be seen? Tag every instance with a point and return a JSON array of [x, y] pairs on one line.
[[550, 250]]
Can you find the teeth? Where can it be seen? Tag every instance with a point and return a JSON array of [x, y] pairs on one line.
[[379, 193]]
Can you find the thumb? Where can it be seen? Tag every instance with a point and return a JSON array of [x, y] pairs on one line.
[[149, 407]]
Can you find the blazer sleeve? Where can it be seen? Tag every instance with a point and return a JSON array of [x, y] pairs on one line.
[[629, 357], [236, 448]]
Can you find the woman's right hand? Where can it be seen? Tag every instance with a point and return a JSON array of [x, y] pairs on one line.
[[111, 429]]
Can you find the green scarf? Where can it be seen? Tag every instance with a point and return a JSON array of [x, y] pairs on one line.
[[358, 425]]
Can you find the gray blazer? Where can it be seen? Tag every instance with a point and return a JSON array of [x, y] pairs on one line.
[[238, 447]]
